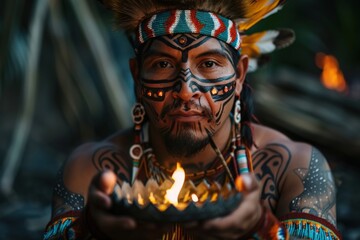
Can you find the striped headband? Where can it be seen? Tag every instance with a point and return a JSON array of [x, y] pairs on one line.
[[188, 21]]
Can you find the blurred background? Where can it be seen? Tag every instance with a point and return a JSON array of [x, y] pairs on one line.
[[64, 80]]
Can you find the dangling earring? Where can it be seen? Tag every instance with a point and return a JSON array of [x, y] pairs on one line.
[[136, 150], [240, 151], [138, 114], [237, 112]]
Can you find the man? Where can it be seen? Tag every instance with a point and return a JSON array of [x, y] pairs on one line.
[[194, 107]]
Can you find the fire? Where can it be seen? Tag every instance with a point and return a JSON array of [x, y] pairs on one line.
[[332, 77], [172, 194], [194, 197]]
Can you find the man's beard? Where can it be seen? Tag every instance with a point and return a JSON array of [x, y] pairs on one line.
[[184, 143]]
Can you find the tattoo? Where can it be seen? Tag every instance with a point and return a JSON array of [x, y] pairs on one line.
[[218, 89], [64, 199], [270, 165], [318, 196], [219, 86], [109, 157], [184, 43]]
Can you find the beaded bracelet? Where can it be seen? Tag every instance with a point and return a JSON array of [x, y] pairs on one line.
[[304, 225], [268, 228], [67, 226]]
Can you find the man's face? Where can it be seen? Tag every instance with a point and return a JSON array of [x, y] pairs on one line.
[[187, 85]]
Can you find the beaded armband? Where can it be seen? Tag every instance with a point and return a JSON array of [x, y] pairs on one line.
[[304, 225], [270, 228], [70, 225]]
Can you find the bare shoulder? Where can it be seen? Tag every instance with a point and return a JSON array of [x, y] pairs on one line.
[[90, 158], [73, 181], [295, 176], [271, 141]]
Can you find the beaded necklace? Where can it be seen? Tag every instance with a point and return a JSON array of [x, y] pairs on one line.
[[145, 165], [154, 169]]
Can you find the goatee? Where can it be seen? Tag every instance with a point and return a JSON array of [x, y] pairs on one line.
[[185, 143]]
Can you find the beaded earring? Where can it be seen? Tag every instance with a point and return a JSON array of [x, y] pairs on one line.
[[241, 156], [136, 150], [237, 112]]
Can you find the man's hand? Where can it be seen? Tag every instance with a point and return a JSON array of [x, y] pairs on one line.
[[238, 223], [112, 226]]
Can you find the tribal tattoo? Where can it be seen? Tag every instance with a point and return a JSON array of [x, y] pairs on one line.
[[319, 192], [109, 157], [271, 164]]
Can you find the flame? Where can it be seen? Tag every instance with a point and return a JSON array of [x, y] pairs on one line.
[[172, 194], [332, 77], [140, 199], [194, 197]]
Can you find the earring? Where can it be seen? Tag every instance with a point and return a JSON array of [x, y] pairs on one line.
[[136, 150], [138, 114], [237, 112], [240, 151]]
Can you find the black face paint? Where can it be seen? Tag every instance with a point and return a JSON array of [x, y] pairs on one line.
[[184, 43], [218, 91], [210, 73]]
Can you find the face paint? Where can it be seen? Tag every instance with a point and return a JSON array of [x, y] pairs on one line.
[[188, 84]]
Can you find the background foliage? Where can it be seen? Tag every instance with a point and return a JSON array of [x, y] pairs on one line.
[[64, 80]]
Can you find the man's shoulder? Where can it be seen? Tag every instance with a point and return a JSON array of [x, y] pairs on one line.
[[272, 144], [93, 157], [117, 142]]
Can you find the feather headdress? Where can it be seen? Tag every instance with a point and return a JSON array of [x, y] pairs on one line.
[[243, 14]]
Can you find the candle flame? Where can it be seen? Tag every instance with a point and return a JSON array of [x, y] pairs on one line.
[[172, 194], [194, 197], [140, 199]]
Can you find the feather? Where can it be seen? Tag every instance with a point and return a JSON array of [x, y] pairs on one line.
[[255, 10], [256, 46], [265, 42], [246, 13], [129, 13], [255, 63]]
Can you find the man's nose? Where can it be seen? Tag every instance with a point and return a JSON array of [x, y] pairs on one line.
[[186, 90]]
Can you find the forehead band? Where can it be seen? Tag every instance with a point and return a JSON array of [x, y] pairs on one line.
[[188, 21]]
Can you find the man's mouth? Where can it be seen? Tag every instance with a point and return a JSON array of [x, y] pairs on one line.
[[186, 116]]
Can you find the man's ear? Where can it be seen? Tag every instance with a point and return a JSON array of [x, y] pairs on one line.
[[134, 68], [242, 67]]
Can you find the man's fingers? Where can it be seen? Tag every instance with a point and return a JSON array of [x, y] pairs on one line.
[[101, 187], [246, 183], [105, 181]]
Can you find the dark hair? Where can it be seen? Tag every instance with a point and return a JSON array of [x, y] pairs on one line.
[[247, 104], [247, 115]]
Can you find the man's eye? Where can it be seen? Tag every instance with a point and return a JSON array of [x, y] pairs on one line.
[[163, 64], [208, 64]]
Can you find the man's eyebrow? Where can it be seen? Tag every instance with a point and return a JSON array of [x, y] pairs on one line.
[[157, 53], [213, 52]]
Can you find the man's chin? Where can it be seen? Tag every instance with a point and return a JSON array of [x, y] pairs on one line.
[[185, 144]]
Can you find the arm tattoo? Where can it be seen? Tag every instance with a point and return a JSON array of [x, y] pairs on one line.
[[270, 165], [109, 157], [64, 200], [319, 192]]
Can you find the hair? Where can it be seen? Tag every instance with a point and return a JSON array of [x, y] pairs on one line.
[[129, 13], [247, 115], [247, 105]]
